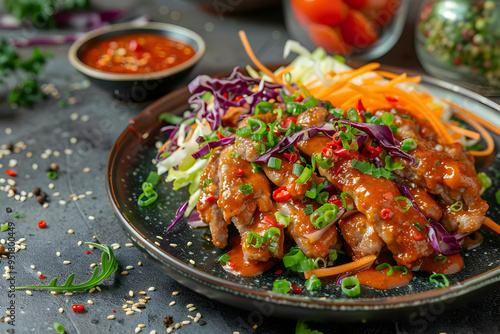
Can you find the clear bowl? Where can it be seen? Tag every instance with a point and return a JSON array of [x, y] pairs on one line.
[[459, 41], [356, 29]]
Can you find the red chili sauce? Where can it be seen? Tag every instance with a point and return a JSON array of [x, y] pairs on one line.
[[137, 53]]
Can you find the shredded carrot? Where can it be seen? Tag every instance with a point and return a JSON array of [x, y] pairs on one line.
[[465, 112], [349, 75], [322, 272], [464, 132], [260, 66], [491, 224], [490, 144]]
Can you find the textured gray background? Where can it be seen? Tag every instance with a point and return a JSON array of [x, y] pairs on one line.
[[48, 127]]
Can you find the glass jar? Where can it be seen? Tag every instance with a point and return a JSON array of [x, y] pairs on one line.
[[459, 41], [356, 29]]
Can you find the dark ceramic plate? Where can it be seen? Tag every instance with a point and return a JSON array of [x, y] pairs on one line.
[[129, 164]]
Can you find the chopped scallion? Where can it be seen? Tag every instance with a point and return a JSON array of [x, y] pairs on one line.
[[353, 283], [274, 163], [246, 189]]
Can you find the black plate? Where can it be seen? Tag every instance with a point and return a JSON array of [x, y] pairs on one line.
[[129, 164]]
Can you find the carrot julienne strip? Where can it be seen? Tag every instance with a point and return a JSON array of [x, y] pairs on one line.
[[492, 225], [323, 272], [260, 66], [482, 121], [464, 132], [490, 144]]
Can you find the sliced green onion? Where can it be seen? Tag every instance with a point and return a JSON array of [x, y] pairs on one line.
[[169, 118], [234, 155], [297, 169], [256, 167], [153, 178], [441, 257], [408, 203], [149, 199], [271, 233], [304, 176], [317, 261], [333, 255], [263, 107], [251, 236], [223, 259], [206, 183], [408, 144], [325, 164], [385, 265], [313, 283], [457, 206], [402, 268], [311, 102], [344, 201], [352, 114], [309, 209], [282, 219], [322, 197], [59, 328], [485, 180], [497, 196], [256, 123], [417, 225], [4, 227], [243, 132], [324, 215], [353, 282], [281, 286], [274, 163], [313, 162], [440, 280], [246, 189], [52, 174], [293, 257], [387, 118]]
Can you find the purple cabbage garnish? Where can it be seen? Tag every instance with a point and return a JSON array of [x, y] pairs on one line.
[[236, 84], [212, 144], [195, 221], [180, 211]]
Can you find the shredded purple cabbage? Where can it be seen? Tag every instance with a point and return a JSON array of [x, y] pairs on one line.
[[236, 84], [195, 221], [441, 240], [180, 211], [212, 144]]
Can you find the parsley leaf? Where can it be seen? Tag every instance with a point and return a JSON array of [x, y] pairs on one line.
[[367, 168], [390, 166]]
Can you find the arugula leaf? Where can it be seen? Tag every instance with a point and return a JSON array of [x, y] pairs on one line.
[[367, 168], [108, 263], [390, 166]]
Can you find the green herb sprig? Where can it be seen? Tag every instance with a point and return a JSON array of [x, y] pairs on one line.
[[109, 265]]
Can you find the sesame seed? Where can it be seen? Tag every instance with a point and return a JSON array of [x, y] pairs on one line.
[[137, 330], [51, 186], [189, 243], [29, 293], [142, 292], [45, 205], [175, 293], [68, 151], [157, 243], [129, 312], [158, 237], [129, 267], [61, 310], [73, 140], [173, 245], [191, 261], [93, 265], [66, 262], [172, 303], [139, 263], [136, 309], [141, 325], [186, 322], [12, 163], [129, 302], [98, 288], [82, 196], [110, 317], [177, 325], [32, 266], [73, 116], [70, 231], [189, 305], [79, 243], [62, 202], [152, 332], [91, 218], [129, 245], [169, 330], [131, 293], [39, 273], [91, 290], [90, 302], [124, 306], [89, 192], [86, 170], [151, 288], [124, 272], [191, 309], [54, 293], [56, 194]]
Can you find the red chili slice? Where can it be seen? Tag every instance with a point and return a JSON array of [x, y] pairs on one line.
[[296, 289], [239, 172], [391, 98], [299, 98], [78, 308], [281, 194], [292, 157], [219, 135], [231, 264], [211, 198], [10, 172], [42, 277], [372, 152], [385, 213], [237, 98], [42, 224], [360, 107], [417, 236], [343, 153]]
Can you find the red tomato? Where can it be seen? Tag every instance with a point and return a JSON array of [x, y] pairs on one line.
[[381, 11], [329, 38], [327, 12], [357, 30], [356, 4]]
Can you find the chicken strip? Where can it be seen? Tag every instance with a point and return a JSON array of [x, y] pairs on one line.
[[360, 236]]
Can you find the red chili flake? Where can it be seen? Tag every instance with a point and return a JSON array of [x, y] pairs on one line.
[[292, 157], [339, 170], [87, 252], [42, 277], [10, 172], [281, 194], [225, 95], [42, 224], [271, 221], [237, 98], [231, 264], [418, 236], [392, 98], [278, 272], [388, 196], [210, 198], [372, 152], [335, 200], [238, 172], [219, 135], [134, 131], [299, 98], [78, 308], [285, 123], [114, 311], [343, 153], [327, 153], [385, 213], [296, 289]]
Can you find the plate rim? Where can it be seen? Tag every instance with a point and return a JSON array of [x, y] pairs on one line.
[[476, 283]]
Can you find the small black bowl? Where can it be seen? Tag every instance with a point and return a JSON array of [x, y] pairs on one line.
[[141, 86]]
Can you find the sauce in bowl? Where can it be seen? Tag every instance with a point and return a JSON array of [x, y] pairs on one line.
[[137, 53]]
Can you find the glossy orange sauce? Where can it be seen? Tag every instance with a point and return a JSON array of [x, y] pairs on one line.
[[242, 267], [454, 263], [137, 53], [378, 279]]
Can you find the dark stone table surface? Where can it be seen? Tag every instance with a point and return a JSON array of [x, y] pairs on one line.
[[79, 137]]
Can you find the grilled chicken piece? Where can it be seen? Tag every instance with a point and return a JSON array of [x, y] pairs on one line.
[[315, 116], [360, 236], [284, 177], [407, 243], [233, 114], [426, 203], [300, 225], [245, 146], [260, 227], [313, 145], [207, 206], [236, 205]]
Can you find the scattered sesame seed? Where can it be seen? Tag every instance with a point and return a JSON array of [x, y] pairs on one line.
[[172, 303], [86, 170], [68, 293], [191, 261], [93, 265], [73, 116], [142, 293], [79, 243], [110, 317], [91, 290], [62, 202], [68, 151], [158, 237], [51, 186], [90, 302], [91, 218], [152, 332], [141, 325], [12, 163], [129, 302], [32, 266], [61, 310], [134, 308], [147, 298], [169, 330], [98, 288], [186, 322], [129, 267], [8, 131], [131, 293], [139, 263], [124, 273], [191, 309], [137, 330], [189, 305], [73, 140], [66, 262], [177, 325], [70, 231], [129, 312], [29, 293], [173, 245], [175, 293], [189, 243], [157, 243], [45, 205], [129, 245], [151, 288], [39, 273]]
